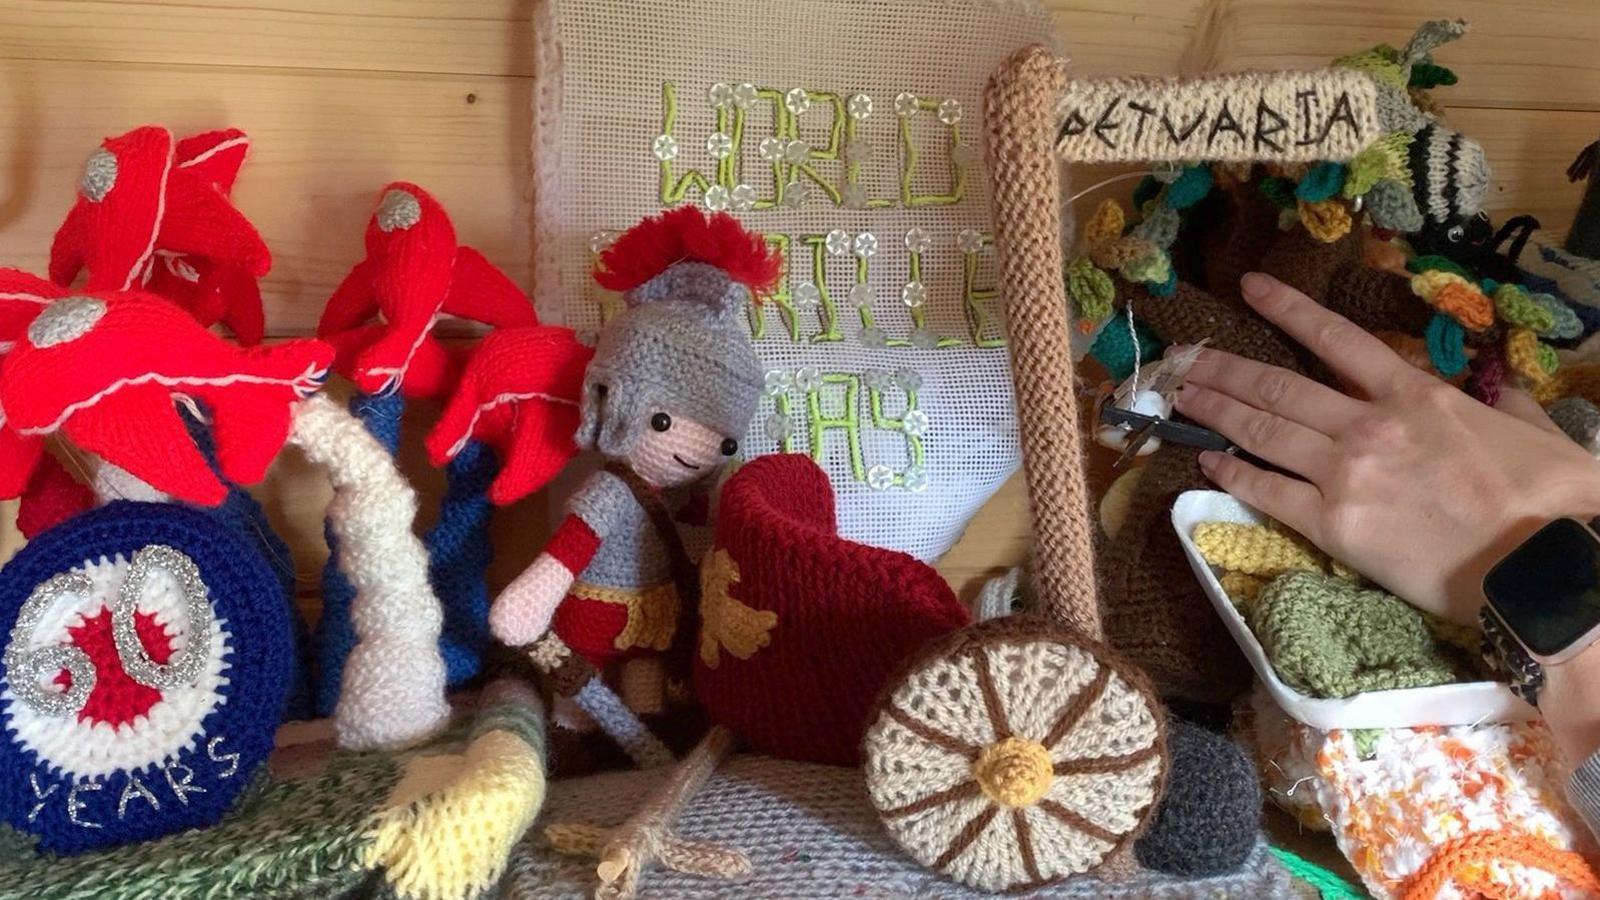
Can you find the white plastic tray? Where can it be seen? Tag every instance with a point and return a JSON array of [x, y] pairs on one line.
[[1469, 703]]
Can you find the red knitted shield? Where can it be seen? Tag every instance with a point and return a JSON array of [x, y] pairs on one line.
[[799, 627]]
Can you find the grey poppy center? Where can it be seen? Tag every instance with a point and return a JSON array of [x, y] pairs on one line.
[[398, 209], [99, 175], [65, 320]]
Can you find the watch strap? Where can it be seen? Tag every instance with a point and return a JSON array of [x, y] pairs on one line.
[[1506, 655]]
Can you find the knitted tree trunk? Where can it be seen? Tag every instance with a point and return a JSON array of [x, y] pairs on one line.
[[1029, 234], [458, 558], [335, 634], [459, 552], [391, 693]]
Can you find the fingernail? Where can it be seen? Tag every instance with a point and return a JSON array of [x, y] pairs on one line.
[[1255, 284], [1208, 461]]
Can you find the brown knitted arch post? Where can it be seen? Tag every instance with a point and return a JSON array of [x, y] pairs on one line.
[[1030, 228]]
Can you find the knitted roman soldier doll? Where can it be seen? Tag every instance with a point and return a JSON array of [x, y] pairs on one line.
[[381, 319], [669, 393]]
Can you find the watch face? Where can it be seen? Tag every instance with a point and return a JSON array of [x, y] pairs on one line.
[[1548, 590]]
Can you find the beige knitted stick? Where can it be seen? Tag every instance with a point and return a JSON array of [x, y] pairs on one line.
[[637, 842], [1030, 228]]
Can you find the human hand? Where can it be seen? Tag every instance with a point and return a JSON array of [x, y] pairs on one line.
[[1413, 483], [522, 612]]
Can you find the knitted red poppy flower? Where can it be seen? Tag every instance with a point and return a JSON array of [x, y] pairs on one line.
[[381, 317]]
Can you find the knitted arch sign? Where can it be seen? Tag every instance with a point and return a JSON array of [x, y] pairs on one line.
[[1037, 118]]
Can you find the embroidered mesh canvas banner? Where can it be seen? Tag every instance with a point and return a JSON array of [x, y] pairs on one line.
[[850, 134]]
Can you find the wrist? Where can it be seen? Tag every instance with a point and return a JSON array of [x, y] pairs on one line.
[[1570, 703], [1568, 490]]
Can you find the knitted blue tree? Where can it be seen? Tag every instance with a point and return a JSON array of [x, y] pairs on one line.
[[458, 552]]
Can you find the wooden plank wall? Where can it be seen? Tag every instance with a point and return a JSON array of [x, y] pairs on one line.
[[340, 96]]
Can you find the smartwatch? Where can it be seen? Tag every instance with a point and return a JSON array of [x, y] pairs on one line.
[[1544, 603]]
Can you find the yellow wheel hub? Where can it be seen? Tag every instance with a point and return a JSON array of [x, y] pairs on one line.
[[1014, 772]]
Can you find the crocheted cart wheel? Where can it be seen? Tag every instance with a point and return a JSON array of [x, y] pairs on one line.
[[146, 666], [1016, 753]]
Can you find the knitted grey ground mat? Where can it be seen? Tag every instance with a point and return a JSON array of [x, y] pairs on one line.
[[810, 833]]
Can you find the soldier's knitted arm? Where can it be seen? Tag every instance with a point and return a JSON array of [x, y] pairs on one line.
[[522, 612]]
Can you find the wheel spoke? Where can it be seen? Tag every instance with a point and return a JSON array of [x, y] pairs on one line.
[[966, 790], [1080, 704], [930, 734], [1019, 820], [1077, 821], [1099, 765], [991, 696], [966, 836]]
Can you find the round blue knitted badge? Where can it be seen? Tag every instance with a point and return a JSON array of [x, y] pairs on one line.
[[146, 664]]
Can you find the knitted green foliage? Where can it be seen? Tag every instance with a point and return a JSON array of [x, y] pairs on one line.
[[1190, 187], [1090, 289], [1517, 307], [1418, 265], [1381, 62], [1321, 182], [1160, 226], [1565, 324], [1548, 360], [1279, 190], [1327, 637], [1391, 205], [1446, 345], [1153, 267], [1365, 741], [1328, 884], [1428, 75], [1386, 158], [1113, 348]]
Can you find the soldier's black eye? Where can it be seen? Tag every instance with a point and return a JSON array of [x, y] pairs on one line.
[[730, 447], [661, 421]]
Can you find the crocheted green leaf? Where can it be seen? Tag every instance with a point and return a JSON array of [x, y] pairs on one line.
[[1564, 322], [1548, 360], [1429, 75], [1320, 183], [1391, 205], [1114, 347], [1091, 290], [1421, 264], [1517, 307], [1160, 227], [1280, 191], [1446, 345], [1192, 185]]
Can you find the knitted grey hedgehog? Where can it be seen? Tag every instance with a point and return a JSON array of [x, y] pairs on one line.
[[672, 387]]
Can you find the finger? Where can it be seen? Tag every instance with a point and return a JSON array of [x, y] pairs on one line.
[[1273, 438], [1275, 390], [1523, 406], [1354, 354], [1294, 503]]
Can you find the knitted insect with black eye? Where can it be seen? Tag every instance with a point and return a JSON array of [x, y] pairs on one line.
[[671, 389]]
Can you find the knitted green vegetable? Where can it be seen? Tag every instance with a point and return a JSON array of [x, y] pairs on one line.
[[1329, 638]]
